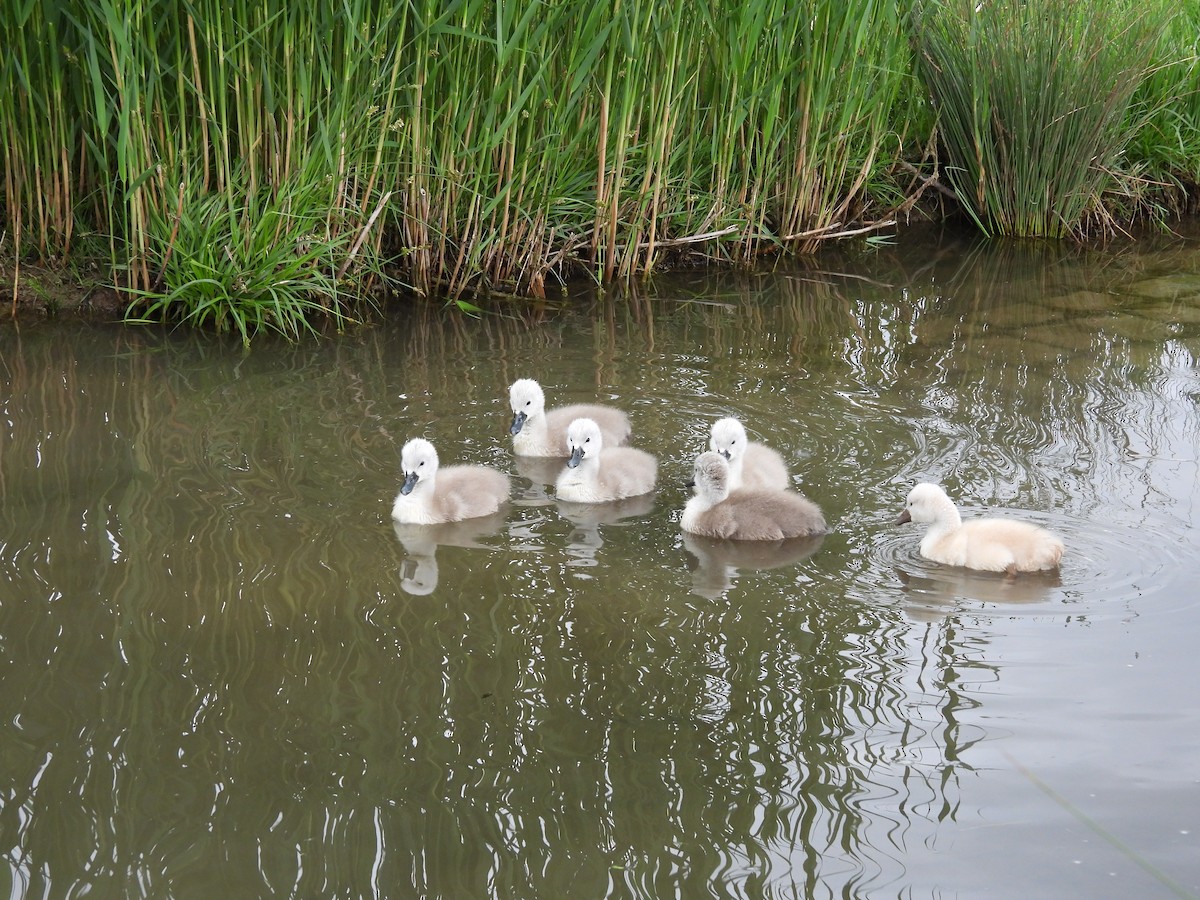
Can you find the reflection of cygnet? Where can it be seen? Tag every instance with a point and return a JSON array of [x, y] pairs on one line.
[[751, 465], [719, 562], [744, 515], [988, 545], [537, 432], [598, 474], [419, 575], [429, 496], [585, 539], [931, 595], [592, 515], [419, 570]]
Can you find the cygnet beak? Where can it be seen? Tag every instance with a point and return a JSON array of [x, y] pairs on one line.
[[904, 518], [576, 457], [410, 482], [517, 422]]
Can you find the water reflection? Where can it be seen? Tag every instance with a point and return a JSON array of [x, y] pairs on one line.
[[586, 519], [942, 590], [718, 563], [419, 569], [542, 473], [216, 678]]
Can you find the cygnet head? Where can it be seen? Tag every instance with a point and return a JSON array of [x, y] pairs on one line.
[[928, 503], [584, 441], [710, 476], [527, 400], [418, 462], [728, 438]]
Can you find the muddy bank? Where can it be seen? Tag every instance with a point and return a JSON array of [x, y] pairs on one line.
[[49, 293]]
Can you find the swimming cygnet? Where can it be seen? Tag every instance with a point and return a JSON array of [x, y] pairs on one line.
[[430, 496], [988, 545], [598, 474], [751, 464], [537, 432], [744, 515]]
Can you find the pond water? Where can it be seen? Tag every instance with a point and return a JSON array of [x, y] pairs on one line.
[[225, 671]]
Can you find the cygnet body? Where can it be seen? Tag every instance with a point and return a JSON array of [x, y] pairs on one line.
[[987, 545], [751, 465], [744, 515], [599, 474], [537, 431], [431, 495]]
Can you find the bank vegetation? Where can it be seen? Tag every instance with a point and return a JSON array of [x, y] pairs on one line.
[[275, 165]]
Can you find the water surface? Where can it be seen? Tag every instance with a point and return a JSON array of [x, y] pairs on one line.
[[226, 671]]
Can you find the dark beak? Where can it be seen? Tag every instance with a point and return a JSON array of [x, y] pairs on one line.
[[904, 517], [517, 422], [410, 482], [576, 457], [727, 454], [690, 483]]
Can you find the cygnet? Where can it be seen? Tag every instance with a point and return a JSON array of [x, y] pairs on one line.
[[988, 545], [599, 474], [751, 464], [430, 496], [744, 515], [538, 432]]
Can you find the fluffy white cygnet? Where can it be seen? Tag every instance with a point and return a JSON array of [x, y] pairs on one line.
[[430, 496], [538, 432], [599, 474], [744, 515], [988, 545], [751, 464]]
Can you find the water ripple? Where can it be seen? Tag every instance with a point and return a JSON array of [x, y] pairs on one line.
[[1106, 568]]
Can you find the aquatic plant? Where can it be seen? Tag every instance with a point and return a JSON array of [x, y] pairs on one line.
[[233, 155], [38, 130], [601, 137], [474, 144], [258, 166], [1032, 101], [1166, 107]]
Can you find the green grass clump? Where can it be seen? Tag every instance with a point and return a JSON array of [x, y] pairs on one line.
[[1166, 107], [238, 157], [1032, 101], [265, 264]]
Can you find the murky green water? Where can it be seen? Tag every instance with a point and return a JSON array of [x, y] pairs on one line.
[[225, 672]]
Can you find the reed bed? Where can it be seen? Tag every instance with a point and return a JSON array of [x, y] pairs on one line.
[[1165, 112], [1033, 103], [260, 166]]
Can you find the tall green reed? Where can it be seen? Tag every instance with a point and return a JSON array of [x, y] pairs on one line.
[[197, 124], [39, 133], [302, 108], [1165, 112], [264, 165], [471, 145], [1032, 101]]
